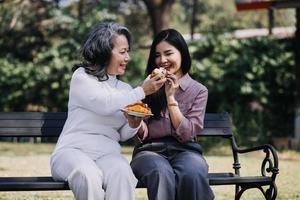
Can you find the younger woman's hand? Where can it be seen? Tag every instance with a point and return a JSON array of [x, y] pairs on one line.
[[171, 85]]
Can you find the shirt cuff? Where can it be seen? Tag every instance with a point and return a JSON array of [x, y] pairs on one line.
[[139, 91], [145, 131], [135, 129], [181, 134]]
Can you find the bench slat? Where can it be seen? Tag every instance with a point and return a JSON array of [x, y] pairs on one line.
[[247, 180], [31, 184], [32, 115], [211, 119], [47, 183], [50, 124], [216, 124], [59, 123], [30, 132], [38, 123], [226, 132], [63, 115], [216, 116], [55, 131]]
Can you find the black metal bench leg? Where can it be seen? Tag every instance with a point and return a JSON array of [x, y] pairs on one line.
[[269, 194], [239, 190]]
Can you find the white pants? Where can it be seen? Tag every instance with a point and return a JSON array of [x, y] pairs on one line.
[[109, 177]]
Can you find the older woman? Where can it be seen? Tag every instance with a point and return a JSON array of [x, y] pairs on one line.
[[88, 154]]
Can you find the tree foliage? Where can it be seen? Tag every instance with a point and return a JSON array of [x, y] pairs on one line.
[[252, 79]]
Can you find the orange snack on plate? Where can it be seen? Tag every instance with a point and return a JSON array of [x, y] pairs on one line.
[[139, 107], [161, 71]]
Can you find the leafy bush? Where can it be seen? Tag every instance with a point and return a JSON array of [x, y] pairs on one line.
[[252, 79], [26, 86]]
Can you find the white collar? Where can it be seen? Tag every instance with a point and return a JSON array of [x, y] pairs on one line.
[[112, 80]]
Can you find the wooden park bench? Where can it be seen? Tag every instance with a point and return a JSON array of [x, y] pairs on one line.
[[43, 124]]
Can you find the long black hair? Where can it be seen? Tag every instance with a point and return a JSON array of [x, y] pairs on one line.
[[97, 49], [157, 101]]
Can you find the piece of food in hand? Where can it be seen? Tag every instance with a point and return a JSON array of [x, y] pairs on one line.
[[139, 107], [162, 72]]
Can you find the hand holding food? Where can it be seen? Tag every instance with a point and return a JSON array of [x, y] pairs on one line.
[[138, 109], [171, 85], [153, 83], [133, 121], [136, 112], [161, 72]]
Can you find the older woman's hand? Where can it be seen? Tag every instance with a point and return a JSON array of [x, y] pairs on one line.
[[151, 85], [133, 121]]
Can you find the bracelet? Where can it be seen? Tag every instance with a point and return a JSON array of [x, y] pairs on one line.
[[172, 104]]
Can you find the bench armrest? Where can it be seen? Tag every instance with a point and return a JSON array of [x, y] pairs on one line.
[[270, 161]]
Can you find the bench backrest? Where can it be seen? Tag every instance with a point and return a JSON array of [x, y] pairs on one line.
[[50, 124]]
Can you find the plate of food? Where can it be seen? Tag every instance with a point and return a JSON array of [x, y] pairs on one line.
[[138, 109]]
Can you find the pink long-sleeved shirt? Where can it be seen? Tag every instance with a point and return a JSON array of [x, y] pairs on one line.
[[192, 98]]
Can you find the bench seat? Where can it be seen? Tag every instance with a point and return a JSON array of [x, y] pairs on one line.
[[50, 124], [31, 184], [44, 183]]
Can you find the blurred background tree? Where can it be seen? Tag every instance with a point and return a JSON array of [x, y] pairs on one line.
[[253, 79]]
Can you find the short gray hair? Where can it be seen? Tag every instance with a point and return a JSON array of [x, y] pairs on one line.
[[97, 49]]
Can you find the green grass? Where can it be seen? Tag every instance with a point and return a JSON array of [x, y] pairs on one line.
[[26, 159]]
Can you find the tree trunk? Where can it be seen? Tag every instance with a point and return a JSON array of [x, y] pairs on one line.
[[297, 73], [297, 55], [194, 20], [297, 52], [159, 12]]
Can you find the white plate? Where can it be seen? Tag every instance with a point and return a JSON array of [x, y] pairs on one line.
[[137, 114]]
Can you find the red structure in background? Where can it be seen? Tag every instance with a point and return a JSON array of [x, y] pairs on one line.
[[252, 5], [242, 5]]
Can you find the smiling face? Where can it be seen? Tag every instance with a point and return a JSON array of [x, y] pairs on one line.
[[168, 57], [119, 56]]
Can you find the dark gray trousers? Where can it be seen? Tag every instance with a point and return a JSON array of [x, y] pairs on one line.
[[171, 171]]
